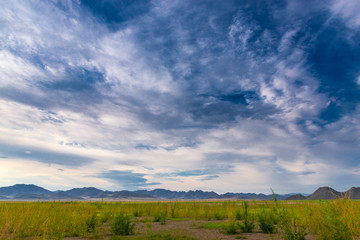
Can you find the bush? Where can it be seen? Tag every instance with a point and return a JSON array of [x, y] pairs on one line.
[[91, 224], [337, 220], [122, 225], [231, 227], [137, 213], [293, 230], [266, 222], [248, 224], [160, 217], [218, 216], [238, 214], [295, 233]]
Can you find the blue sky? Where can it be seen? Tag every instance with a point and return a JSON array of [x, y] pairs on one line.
[[235, 96]]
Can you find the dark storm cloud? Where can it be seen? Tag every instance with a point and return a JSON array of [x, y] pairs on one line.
[[116, 12], [76, 87], [257, 35], [212, 110], [77, 80], [210, 60], [126, 179], [208, 63]]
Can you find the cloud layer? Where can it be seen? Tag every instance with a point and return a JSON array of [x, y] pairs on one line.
[[234, 96]]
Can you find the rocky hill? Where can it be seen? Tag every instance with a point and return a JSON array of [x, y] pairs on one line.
[[353, 193], [296, 197], [324, 193], [21, 189], [86, 192], [327, 193]]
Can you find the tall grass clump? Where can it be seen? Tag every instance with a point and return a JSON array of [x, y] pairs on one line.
[[219, 215], [292, 226], [267, 221], [173, 210], [160, 216], [91, 223], [231, 227], [337, 219], [238, 214], [122, 225], [247, 225], [137, 212]]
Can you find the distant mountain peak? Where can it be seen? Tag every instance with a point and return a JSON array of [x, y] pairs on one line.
[[353, 193], [324, 193], [296, 197], [16, 189], [31, 191], [327, 188]]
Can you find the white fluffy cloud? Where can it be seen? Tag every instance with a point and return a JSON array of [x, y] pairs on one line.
[[348, 10]]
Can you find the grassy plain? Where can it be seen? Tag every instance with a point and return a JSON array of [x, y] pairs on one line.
[[289, 220]]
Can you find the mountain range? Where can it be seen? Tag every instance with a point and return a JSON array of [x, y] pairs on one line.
[[327, 193], [33, 192]]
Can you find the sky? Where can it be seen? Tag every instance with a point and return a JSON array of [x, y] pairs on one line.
[[224, 96]]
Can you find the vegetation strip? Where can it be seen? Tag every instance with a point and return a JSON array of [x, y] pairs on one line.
[[289, 220]]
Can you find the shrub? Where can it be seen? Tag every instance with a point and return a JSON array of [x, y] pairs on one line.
[[266, 222], [248, 224], [137, 213], [90, 224], [293, 229], [122, 225], [238, 214], [335, 220], [218, 216], [160, 217], [173, 210], [231, 227]]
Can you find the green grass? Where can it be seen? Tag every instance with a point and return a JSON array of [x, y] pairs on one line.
[[122, 225], [333, 219], [267, 220], [214, 225], [247, 225], [160, 217], [229, 227]]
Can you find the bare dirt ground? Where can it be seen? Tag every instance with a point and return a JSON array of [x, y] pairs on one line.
[[195, 229], [191, 229]]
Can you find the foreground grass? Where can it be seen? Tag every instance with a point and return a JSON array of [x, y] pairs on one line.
[[335, 219]]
